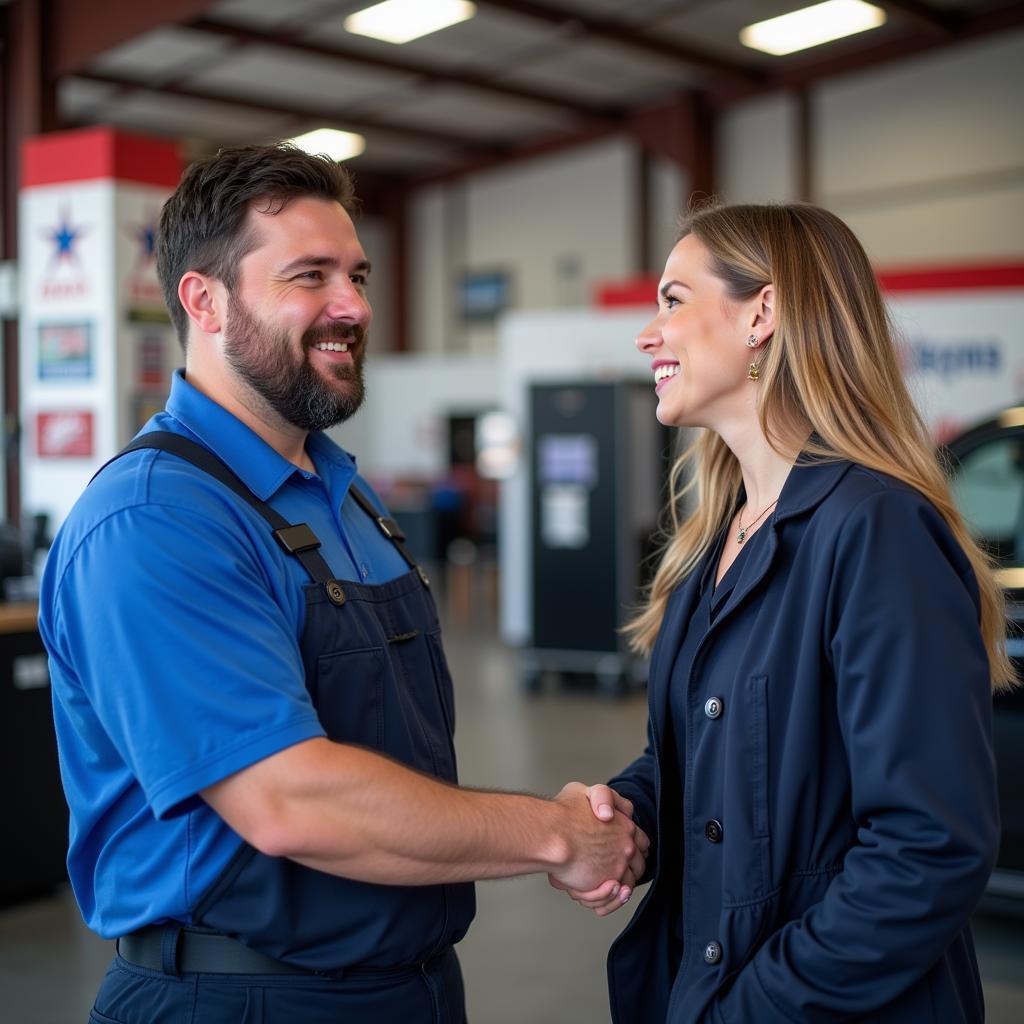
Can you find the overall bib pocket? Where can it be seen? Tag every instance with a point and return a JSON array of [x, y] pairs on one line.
[[348, 694]]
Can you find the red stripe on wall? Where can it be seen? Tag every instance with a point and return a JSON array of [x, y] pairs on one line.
[[927, 279], [638, 291], [97, 153], [642, 291]]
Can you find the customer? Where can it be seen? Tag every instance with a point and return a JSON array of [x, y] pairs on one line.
[[819, 772], [252, 705]]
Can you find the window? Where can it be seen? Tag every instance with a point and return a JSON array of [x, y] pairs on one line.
[[989, 489]]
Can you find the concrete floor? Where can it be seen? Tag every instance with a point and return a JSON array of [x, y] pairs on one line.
[[532, 957]]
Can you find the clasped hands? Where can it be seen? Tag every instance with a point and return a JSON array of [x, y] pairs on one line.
[[609, 850]]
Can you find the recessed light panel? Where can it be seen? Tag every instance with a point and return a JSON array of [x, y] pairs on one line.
[[812, 26], [330, 142], [399, 21]]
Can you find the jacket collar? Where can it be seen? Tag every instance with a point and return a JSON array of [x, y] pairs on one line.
[[809, 482]]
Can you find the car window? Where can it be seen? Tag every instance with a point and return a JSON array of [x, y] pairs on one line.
[[989, 489]]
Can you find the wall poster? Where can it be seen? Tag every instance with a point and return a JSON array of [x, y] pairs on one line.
[[65, 351]]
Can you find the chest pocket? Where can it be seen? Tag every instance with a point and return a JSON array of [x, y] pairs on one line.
[[423, 702], [746, 863], [395, 697], [348, 693]]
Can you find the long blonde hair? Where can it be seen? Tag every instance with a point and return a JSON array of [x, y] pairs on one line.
[[831, 370]]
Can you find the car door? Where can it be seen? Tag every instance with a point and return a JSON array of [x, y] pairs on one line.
[[987, 476]]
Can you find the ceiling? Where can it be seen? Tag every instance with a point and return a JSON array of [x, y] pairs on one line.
[[519, 77]]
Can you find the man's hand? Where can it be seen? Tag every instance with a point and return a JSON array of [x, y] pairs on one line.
[[612, 893]]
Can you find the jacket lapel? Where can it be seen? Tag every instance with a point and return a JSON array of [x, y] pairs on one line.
[[807, 485], [673, 627]]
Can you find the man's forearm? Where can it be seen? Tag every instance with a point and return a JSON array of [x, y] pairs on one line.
[[354, 813]]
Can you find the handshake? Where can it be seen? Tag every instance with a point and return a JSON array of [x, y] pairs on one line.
[[607, 851]]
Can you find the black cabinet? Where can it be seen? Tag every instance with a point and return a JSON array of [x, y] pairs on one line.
[[598, 464], [34, 849]]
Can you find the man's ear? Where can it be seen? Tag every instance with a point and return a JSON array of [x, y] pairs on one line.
[[205, 301], [764, 313]]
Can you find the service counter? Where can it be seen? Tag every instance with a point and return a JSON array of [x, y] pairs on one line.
[[34, 846]]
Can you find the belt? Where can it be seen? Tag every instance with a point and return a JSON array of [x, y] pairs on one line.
[[194, 952], [174, 950]]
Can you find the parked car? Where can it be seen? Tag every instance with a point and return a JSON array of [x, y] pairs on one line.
[[986, 466]]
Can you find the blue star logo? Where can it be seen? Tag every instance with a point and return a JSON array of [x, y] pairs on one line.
[[145, 236], [64, 237]]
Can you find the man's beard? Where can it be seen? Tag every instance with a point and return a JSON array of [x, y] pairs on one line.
[[289, 385]]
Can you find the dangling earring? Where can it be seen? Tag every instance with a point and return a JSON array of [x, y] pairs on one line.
[[752, 373]]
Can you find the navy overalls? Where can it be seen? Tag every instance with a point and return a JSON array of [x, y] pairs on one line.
[[336, 949]]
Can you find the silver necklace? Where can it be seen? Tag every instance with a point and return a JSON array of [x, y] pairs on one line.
[[744, 530]]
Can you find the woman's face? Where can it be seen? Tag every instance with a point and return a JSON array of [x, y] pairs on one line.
[[698, 344]]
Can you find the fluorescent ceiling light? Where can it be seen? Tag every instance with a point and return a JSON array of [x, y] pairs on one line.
[[812, 26], [331, 142], [398, 21]]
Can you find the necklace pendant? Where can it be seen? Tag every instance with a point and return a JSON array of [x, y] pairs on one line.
[[742, 535]]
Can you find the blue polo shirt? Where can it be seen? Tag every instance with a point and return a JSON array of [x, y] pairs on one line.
[[172, 619]]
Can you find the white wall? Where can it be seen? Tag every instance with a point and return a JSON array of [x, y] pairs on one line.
[[429, 285], [924, 158], [375, 236], [669, 194], [755, 150], [556, 225], [401, 429]]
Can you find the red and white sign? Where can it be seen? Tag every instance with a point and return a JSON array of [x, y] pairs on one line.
[[64, 435], [88, 209]]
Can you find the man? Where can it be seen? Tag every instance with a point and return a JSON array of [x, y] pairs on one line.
[[252, 705]]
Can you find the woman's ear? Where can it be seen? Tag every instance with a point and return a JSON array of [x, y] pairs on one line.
[[203, 298], [764, 313]]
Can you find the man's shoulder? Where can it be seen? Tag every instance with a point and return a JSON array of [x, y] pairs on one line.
[[148, 476], [146, 489]]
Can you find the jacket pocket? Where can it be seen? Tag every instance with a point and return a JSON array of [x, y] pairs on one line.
[[746, 864], [348, 694]]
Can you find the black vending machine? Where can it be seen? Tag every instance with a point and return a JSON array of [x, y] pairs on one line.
[[599, 461]]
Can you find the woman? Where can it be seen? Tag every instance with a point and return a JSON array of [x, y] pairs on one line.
[[819, 774]]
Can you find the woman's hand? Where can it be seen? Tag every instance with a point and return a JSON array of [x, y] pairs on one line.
[[611, 894]]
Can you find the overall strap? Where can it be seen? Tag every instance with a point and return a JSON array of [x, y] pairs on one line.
[[296, 539], [391, 530]]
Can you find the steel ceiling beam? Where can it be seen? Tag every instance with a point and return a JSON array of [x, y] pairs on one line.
[[316, 112], [626, 35], [514, 154], [680, 130], [291, 42], [81, 31], [924, 16]]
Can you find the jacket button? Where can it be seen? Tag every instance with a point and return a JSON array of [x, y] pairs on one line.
[[713, 831], [712, 953], [713, 707]]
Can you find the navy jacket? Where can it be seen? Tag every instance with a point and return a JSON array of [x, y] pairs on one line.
[[852, 773]]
